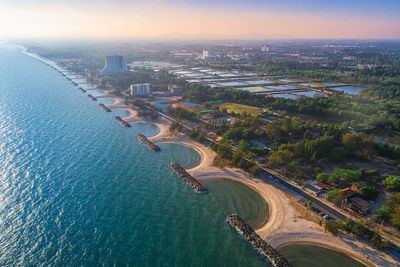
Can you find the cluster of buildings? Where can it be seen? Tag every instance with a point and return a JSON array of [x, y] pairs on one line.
[[351, 202], [116, 64], [207, 55]]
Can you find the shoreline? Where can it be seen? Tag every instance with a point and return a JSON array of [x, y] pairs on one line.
[[285, 224], [281, 228]]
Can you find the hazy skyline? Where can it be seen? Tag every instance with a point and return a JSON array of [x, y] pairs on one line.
[[200, 19]]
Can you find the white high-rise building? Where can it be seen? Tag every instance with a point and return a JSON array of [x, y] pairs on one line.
[[114, 64], [140, 89], [264, 48], [207, 55]]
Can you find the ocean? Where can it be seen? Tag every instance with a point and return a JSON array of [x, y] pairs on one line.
[[78, 189]]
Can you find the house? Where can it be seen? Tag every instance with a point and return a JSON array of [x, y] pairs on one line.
[[175, 89], [324, 186], [317, 188], [359, 205], [348, 192]]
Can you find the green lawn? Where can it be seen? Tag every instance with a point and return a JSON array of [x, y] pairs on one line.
[[239, 109]]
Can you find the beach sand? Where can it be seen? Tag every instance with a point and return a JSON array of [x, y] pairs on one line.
[[285, 224]]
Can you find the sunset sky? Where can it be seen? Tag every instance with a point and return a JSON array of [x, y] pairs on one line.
[[216, 19]]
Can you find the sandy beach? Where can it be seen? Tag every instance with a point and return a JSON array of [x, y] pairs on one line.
[[285, 224]]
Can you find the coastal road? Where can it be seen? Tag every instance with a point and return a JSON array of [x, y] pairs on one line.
[[330, 210]]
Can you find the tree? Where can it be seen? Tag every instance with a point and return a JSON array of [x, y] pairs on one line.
[[323, 177], [337, 154], [244, 146], [383, 213], [175, 127], [359, 144], [393, 200], [279, 158], [366, 192], [237, 156], [396, 216], [254, 170], [223, 151], [392, 183], [394, 204], [336, 195], [346, 175], [332, 227], [378, 242]]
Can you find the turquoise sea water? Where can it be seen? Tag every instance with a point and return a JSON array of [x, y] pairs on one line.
[[248, 204], [78, 189], [302, 255]]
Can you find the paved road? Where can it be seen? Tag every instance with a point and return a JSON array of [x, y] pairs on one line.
[[326, 208]]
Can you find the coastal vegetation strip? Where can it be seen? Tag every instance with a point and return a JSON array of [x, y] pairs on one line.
[[150, 145], [192, 182], [122, 122], [248, 232]]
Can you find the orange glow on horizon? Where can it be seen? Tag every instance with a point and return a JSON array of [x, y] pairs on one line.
[[59, 21]]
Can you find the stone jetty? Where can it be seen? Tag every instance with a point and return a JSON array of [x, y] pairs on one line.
[[150, 145], [193, 183], [250, 235], [92, 97], [104, 107], [83, 90], [122, 122]]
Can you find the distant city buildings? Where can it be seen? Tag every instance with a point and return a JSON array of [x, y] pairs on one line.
[[114, 65], [140, 89], [207, 55], [264, 48], [175, 89], [238, 56], [351, 58]]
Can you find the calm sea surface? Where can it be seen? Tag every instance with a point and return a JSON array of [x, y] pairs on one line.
[[302, 255], [78, 189]]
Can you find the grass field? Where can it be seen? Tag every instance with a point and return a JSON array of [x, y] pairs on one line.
[[239, 109]]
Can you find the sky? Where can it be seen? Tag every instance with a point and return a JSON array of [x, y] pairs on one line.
[[201, 19]]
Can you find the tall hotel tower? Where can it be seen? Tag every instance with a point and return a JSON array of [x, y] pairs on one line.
[[114, 64]]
